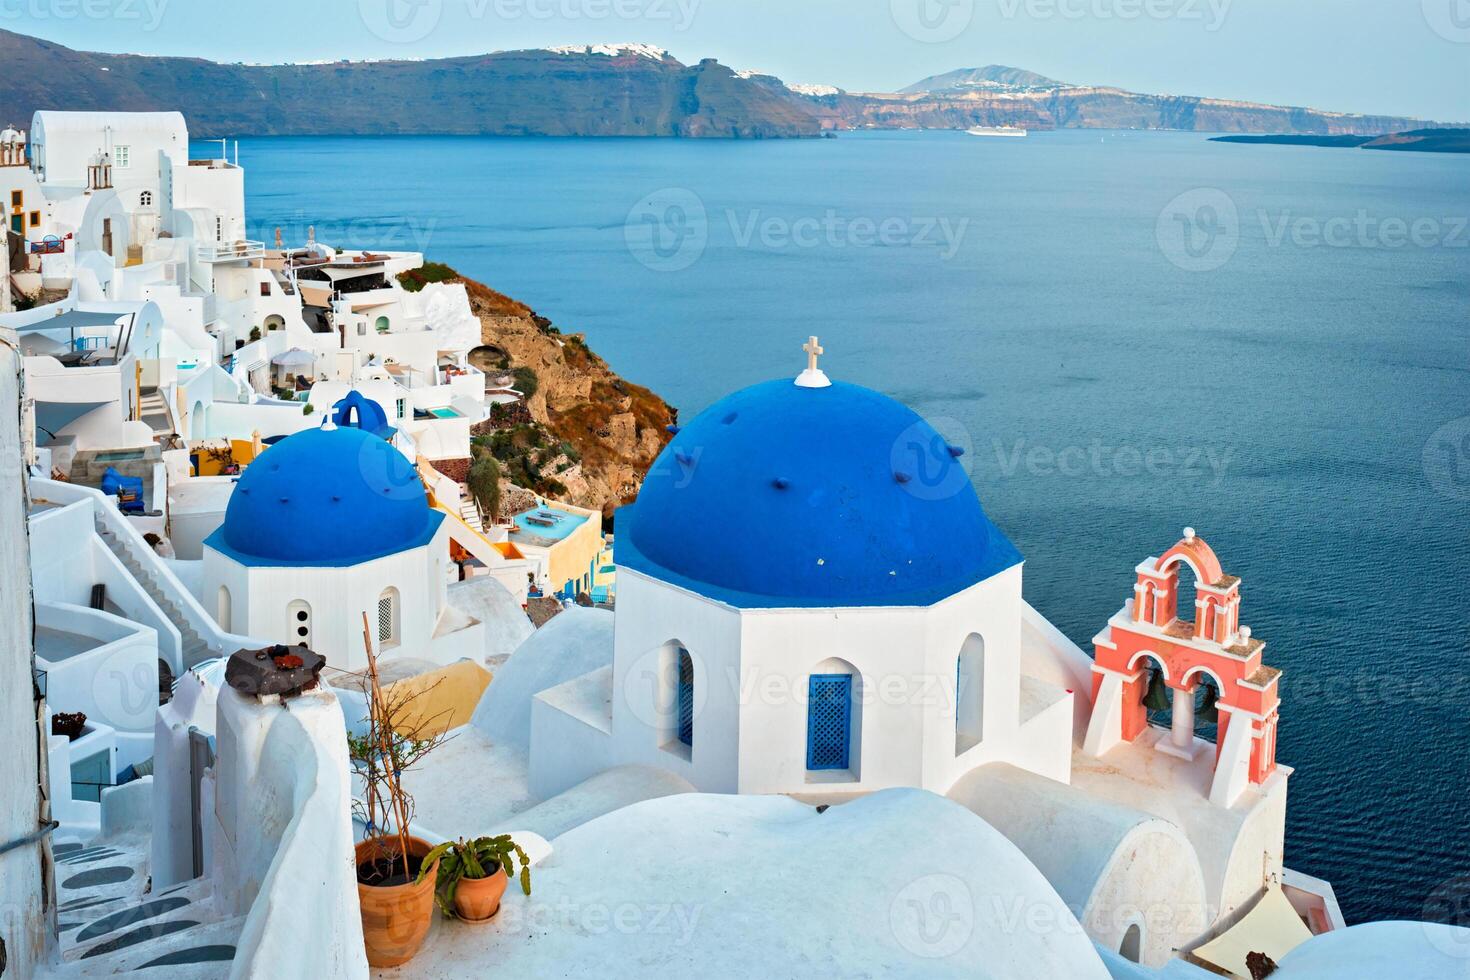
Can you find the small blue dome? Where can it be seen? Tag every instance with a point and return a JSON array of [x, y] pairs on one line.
[[363, 413], [781, 495], [324, 498]]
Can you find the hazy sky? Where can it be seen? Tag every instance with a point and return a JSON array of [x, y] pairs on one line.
[[1408, 57]]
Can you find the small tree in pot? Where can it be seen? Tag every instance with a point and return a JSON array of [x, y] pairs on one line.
[[397, 905], [472, 875]]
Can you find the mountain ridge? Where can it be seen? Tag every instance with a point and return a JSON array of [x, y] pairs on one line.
[[600, 90]]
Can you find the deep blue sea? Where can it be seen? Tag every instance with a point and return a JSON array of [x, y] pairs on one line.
[[1131, 332]]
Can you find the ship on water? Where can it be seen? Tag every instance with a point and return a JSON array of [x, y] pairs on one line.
[[996, 131]]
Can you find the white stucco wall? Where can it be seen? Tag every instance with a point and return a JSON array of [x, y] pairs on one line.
[[751, 675], [261, 600], [24, 920]]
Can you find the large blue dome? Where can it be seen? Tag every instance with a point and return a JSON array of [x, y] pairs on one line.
[[787, 496], [326, 497]]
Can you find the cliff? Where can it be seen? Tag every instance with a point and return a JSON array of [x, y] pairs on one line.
[[1093, 107], [624, 91], [587, 436], [610, 90]]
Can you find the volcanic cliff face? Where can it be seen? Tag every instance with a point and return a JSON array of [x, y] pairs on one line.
[[625, 91], [610, 90], [586, 435], [1091, 107]]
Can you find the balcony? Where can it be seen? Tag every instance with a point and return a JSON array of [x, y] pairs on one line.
[[238, 251]]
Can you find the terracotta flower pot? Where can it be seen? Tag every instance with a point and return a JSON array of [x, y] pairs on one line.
[[478, 899], [395, 918]]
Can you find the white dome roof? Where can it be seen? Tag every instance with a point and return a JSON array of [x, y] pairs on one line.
[[1401, 950], [900, 883]]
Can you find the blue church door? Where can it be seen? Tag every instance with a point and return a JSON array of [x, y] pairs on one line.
[[829, 721]]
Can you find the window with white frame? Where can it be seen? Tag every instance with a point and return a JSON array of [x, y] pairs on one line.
[[145, 199], [388, 617], [122, 156]]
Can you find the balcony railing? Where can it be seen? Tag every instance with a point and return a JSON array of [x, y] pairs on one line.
[[231, 251]]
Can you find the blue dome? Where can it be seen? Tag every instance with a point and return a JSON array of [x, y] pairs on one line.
[[781, 495], [323, 498]]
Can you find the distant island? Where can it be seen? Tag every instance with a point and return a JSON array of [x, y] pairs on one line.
[[1421, 140], [598, 90]]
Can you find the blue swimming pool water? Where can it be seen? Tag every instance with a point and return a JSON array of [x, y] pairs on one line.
[[562, 523]]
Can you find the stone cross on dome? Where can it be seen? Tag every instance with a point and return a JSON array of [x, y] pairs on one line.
[[812, 377]]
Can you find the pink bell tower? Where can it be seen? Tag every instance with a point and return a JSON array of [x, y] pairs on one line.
[[1187, 639]]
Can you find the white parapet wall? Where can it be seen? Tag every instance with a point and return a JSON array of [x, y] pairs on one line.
[[282, 836]]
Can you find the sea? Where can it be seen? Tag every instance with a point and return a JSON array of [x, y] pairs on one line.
[[1128, 332]]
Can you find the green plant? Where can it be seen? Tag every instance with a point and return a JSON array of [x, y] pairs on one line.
[[525, 381], [484, 484], [478, 858], [254, 334], [397, 738], [307, 409]]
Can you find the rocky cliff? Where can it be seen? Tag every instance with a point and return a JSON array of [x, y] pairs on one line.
[[609, 90], [586, 436], [620, 91]]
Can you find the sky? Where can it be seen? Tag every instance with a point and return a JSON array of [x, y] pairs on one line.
[[1396, 57]]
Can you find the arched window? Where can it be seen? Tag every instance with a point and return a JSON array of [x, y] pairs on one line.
[[388, 618], [673, 692], [1184, 592], [298, 623], [834, 719], [222, 609], [145, 199], [969, 716], [684, 698], [1132, 946]]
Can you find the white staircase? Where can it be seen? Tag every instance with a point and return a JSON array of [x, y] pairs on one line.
[[194, 647], [200, 636], [110, 920], [469, 510]]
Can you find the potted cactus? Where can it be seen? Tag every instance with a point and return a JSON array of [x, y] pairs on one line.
[[472, 875]]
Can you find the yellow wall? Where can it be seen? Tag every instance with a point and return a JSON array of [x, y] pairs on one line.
[[446, 698]]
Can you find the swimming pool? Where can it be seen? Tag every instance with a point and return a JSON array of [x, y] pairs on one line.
[[544, 522], [444, 413]]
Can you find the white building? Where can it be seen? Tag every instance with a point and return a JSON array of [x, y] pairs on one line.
[[328, 531]]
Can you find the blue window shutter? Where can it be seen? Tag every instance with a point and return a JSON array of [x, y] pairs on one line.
[[829, 721], [686, 698]]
